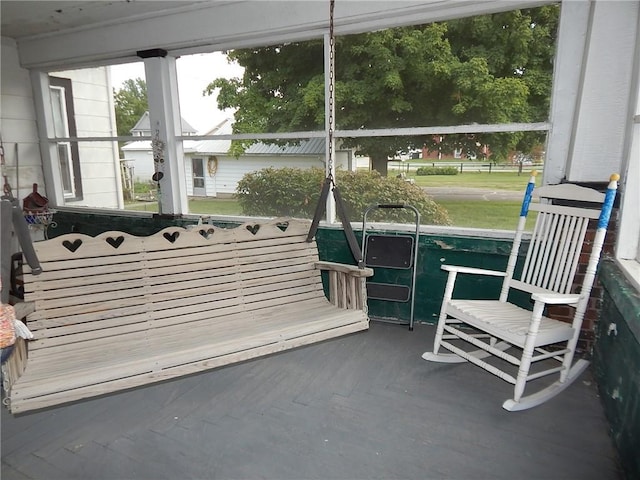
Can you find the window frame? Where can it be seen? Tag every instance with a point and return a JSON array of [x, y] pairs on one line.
[[64, 85]]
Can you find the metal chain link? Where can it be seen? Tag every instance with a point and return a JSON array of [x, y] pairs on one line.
[[331, 84]]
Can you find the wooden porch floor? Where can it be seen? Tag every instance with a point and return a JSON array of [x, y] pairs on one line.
[[359, 407]]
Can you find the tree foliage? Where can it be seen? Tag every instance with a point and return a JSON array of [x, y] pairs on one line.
[[130, 104], [486, 69]]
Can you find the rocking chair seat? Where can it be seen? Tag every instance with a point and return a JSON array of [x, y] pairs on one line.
[[507, 321]]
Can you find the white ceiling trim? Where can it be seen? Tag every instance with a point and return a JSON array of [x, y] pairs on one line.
[[213, 26]]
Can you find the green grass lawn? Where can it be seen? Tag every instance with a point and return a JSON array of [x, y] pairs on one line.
[[495, 180], [502, 215], [200, 206], [221, 206]]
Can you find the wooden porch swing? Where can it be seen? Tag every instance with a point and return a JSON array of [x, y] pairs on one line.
[[117, 311]]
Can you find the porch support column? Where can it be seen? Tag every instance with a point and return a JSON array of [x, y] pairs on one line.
[[166, 124]]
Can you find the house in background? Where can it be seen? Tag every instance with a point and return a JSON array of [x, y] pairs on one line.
[[210, 171], [143, 127], [137, 164]]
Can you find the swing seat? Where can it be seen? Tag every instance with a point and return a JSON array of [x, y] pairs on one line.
[[116, 311], [523, 345]]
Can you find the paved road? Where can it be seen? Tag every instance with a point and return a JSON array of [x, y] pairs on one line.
[[460, 193]]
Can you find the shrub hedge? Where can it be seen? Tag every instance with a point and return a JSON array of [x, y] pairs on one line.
[[294, 192], [437, 171]]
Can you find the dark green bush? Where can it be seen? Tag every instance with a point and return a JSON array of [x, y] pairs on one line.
[[294, 192], [437, 171], [283, 192]]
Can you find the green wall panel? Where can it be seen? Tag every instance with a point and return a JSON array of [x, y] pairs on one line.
[[616, 364], [433, 251], [94, 224]]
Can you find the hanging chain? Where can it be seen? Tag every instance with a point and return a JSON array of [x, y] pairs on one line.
[[157, 147], [331, 85]]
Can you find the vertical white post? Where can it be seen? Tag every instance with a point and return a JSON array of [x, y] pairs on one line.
[[114, 145], [164, 114], [513, 256], [592, 267]]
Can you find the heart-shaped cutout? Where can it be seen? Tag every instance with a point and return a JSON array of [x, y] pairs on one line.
[[253, 228], [115, 242], [172, 237], [206, 233], [72, 246], [283, 226]]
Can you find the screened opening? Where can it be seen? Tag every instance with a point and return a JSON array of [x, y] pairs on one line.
[[411, 104]]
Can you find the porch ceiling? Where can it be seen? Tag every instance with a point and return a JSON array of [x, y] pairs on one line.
[[27, 18]]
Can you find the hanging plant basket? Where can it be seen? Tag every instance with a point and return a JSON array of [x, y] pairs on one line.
[[44, 217]]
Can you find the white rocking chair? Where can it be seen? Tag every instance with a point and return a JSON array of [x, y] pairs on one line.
[[517, 335]]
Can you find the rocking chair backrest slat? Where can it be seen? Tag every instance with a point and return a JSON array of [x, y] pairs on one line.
[[554, 250], [570, 253]]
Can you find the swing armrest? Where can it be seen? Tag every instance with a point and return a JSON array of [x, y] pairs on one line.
[[351, 270], [346, 284]]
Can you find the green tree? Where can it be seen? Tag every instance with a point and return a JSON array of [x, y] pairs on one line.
[[130, 104], [487, 69]]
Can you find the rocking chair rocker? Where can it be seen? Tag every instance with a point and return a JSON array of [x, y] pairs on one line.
[[498, 328]]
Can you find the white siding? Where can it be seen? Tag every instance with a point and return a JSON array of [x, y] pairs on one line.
[[210, 174], [143, 167], [18, 124], [188, 174], [231, 170]]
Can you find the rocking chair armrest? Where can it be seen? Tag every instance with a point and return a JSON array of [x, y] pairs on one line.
[[472, 270], [556, 298], [344, 268]]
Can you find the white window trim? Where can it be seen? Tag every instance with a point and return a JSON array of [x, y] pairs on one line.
[[627, 251], [628, 243], [60, 102]]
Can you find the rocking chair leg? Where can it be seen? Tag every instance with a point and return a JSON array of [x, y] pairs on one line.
[[545, 394], [442, 318], [453, 358], [527, 351]]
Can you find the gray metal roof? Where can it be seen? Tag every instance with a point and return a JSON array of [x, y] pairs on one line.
[[306, 147], [312, 146]]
